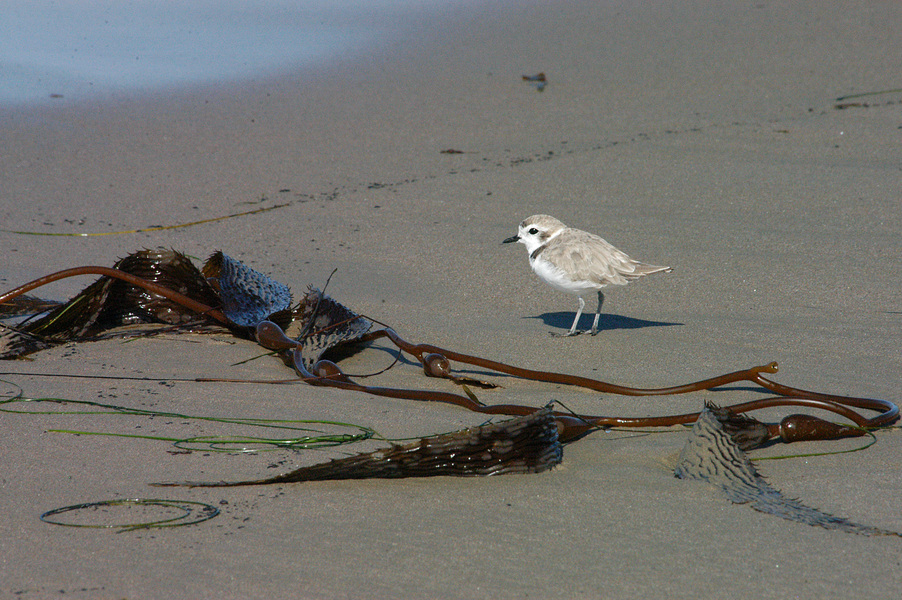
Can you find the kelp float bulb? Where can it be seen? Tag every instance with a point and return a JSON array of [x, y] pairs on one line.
[[797, 428], [436, 365], [272, 337], [327, 369]]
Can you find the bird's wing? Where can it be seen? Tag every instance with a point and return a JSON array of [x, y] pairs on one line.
[[592, 258]]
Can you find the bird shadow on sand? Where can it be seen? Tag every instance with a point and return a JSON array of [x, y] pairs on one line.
[[563, 320]]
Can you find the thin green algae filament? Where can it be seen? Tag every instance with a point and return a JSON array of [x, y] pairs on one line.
[[191, 513], [311, 438]]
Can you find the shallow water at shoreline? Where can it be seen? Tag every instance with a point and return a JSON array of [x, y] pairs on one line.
[[88, 49]]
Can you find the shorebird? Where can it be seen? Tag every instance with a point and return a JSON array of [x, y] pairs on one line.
[[577, 262]]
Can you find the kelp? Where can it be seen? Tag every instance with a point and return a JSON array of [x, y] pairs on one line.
[[523, 445], [189, 513], [246, 296], [712, 455], [113, 302], [26, 305], [164, 288]]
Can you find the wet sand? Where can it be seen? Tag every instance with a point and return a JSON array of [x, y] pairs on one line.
[[706, 138]]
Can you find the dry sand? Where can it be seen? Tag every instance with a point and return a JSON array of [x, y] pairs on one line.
[[700, 135]]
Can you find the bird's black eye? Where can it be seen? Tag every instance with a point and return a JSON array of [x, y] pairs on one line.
[[533, 231]]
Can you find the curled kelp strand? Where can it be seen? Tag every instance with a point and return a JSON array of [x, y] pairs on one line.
[[192, 513], [523, 445]]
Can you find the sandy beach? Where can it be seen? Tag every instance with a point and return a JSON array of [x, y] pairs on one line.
[[753, 147]]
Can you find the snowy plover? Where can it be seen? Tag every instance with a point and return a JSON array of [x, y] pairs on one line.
[[576, 262]]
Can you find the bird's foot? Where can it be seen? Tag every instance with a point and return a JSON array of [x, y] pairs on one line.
[[570, 333]]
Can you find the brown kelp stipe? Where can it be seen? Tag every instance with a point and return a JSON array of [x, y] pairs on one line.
[[320, 324], [436, 364]]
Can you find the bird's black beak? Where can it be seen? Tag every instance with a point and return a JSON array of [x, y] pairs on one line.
[[515, 238]]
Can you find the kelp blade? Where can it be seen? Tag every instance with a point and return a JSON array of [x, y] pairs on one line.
[[526, 444]]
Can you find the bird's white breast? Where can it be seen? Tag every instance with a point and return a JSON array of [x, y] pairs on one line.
[[560, 279]]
